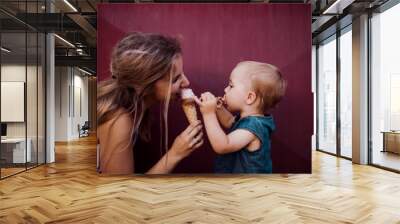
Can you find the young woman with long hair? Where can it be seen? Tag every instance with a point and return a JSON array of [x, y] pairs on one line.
[[146, 69]]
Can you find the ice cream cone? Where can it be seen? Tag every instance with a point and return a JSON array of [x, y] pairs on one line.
[[188, 105]]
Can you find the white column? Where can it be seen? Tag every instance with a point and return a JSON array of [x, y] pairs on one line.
[[50, 92], [360, 90]]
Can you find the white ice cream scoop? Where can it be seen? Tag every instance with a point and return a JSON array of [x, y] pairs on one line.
[[187, 94]]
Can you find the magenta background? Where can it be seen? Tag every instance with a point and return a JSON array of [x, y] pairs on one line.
[[215, 37]]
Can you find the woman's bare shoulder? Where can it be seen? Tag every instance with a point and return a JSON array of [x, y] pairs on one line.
[[121, 121], [114, 137]]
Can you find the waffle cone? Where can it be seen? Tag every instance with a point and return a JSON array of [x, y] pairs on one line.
[[189, 107]]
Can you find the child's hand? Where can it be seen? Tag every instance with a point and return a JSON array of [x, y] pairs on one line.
[[207, 103]]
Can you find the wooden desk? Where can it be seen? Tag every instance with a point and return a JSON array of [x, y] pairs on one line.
[[391, 141], [13, 150]]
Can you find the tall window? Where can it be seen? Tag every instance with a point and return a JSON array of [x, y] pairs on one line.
[[346, 92], [327, 95], [385, 88]]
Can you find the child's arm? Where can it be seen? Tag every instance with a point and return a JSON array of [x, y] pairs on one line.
[[225, 118], [221, 142]]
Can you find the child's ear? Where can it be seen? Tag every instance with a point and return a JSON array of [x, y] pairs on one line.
[[251, 97]]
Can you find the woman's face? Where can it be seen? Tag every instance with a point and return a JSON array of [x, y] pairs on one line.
[[178, 81]]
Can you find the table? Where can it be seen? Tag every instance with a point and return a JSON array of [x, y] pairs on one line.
[[391, 141], [15, 148]]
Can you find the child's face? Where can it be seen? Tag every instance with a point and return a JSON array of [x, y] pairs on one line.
[[237, 91]]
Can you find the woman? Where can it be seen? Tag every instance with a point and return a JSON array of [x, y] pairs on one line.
[[146, 69]]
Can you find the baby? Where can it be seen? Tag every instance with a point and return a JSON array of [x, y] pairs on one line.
[[254, 88]]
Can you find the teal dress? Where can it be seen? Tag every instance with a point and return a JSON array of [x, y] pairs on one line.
[[244, 161]]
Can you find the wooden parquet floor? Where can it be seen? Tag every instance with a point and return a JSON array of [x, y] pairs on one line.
[[70, 191], [10, 171]]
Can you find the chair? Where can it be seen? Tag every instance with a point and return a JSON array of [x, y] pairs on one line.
[[84, 130]]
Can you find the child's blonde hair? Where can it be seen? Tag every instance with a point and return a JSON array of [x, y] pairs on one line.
[[266, 81]]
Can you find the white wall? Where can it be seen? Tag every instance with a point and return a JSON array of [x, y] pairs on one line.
[[314, 91], [80, 100], [15, 72], [71, 94], [34, 125], [61, 103]]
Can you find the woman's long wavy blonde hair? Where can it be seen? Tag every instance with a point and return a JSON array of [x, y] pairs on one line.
[[137, 62]]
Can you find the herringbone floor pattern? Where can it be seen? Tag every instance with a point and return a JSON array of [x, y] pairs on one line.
[[70, 191]]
